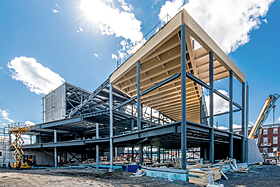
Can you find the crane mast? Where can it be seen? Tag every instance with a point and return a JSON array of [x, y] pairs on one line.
[[268, 105]]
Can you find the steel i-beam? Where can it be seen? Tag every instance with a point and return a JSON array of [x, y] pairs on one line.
[[183, 96]]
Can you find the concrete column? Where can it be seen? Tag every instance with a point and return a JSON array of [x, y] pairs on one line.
[[183, 96], [30, 139], [55, 149], [231, 114], [111, 127], [97, 147], [211, 106]]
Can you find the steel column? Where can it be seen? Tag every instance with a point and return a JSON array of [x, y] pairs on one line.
[[201, 112], [55, 149], [111, 126], [132, 125], [246, 124], [231, 114], [183, 96], [132, 153], [211, 106], [139, 111], [151, 114], [97, 147], [141, 154], [158, 154], [243, 122]]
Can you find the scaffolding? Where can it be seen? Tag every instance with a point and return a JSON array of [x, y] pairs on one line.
[[5, 153]]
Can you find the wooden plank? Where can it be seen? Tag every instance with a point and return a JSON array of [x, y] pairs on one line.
[[160, 38], [207, 42]]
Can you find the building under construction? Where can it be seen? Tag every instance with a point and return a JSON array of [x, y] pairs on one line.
[[151, 106]]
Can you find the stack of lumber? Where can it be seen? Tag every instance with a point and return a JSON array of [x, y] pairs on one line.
[[204, 176], [199, 176], [103, 159], [216, 173], [89, 161]]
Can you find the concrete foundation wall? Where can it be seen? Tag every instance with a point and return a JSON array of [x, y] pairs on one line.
[[42, 158], [254, 154]]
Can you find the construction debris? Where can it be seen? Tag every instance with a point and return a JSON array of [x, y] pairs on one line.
[[139, 173], [204, 174]]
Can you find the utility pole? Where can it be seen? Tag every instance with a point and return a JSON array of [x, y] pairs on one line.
[[273, 114]]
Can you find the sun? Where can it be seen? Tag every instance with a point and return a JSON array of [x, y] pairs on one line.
[[94, 10]]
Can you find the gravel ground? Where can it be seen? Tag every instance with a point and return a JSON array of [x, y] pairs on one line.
[[267, 175]]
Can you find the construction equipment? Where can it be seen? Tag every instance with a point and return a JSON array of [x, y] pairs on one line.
[[17, 129], [268, 105]]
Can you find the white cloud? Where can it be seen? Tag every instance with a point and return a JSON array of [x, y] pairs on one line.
[[80, 30], [235, 126], [56, 5], [171, 8], [251, 124], [5, 115], [264, 20], [222, 128], [279, 119], [37, 78], [125, 6], [114, 57], [4, 124], [29, 123], [229, 22], [55, 11], [220, 105], [1, 67], [112, 20], [96, 55]]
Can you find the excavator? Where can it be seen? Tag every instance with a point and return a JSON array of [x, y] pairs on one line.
[[268, 105]]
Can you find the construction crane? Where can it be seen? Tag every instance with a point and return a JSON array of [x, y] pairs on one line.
[[17, 129], [268, 105]]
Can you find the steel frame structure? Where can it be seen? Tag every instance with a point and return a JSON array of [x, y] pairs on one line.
[[113, 115]]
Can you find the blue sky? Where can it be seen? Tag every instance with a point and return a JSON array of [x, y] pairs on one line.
[[44, 43]]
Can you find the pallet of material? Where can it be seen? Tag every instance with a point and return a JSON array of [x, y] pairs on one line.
[[204, 176], [216, 173]]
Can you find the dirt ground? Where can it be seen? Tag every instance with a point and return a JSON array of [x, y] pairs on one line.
[[268, 175]]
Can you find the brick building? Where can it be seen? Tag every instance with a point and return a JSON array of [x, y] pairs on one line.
[[269, 140]]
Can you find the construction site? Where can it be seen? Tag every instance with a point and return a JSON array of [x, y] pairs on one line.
[[148, 120]]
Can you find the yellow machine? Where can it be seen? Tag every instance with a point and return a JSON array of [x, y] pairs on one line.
[[17, 129], [268, 105]]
